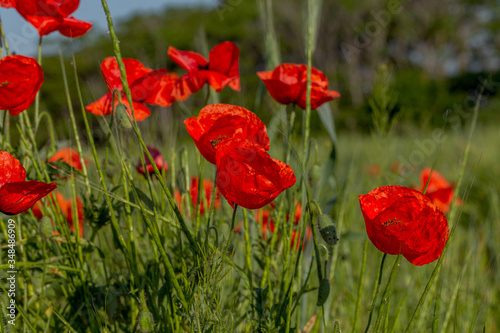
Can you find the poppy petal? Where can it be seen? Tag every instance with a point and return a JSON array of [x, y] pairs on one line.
[[20, 79], [217, 122], [7, 3], [248, 176], [400, 220], [18, 197], [11, 169], [155, 88], [71, 27], [111, 72], [287, 83], [69, 156], [102, 107], [190, 61], [187, 85], [224, 59]]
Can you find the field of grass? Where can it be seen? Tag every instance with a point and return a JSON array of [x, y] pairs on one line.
[[138, 256]]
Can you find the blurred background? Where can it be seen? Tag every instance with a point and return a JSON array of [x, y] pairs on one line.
[[438, 53]]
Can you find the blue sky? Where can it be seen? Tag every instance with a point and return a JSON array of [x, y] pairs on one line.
[[23, 38]]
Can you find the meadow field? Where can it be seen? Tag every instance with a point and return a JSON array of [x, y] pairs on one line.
[[239, 192]]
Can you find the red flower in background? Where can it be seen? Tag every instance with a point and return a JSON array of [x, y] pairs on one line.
[[439, 190], [287, 84], [400, 220], [248, 176], [48, 16], [69, 156], [218, 122], [20, 80], [158, 158], [296, 237], [66, 206], [263, 216], [16, 194], [208, 187], [147, 86], [220, 70]]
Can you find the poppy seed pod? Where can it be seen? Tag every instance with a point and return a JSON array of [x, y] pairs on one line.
[[327, 230], [45, 228], [145, 322], [323, 292], [314, 175], [122, 117]]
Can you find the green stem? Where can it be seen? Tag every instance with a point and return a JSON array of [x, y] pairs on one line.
[[248, 252], [385, 296], [360, 288], [2, 33], [116, 47], [73, 123], [376, 291]]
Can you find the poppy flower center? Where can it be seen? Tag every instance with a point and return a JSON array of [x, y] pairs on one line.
[[393, 221], [219, 139]]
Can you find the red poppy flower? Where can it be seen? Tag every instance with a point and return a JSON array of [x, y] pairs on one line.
[[220, 70], [296, 237], [48, 16], [218, 122], [7, 3], [147, 86], [208, 187], [66, 206], [20, 80], [400, 220], [16, 194], [287, 84], [373, 170], [248, 176], [69, 156], [440, 191], [263, 216], [158, 158]]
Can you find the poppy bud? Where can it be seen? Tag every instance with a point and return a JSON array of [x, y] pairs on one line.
[[45, 227], [323, 292], [145, 322], [122, 116], [327, 230], [314, 175]]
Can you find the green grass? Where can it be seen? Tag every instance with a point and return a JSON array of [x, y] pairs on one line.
[[145, 266]]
